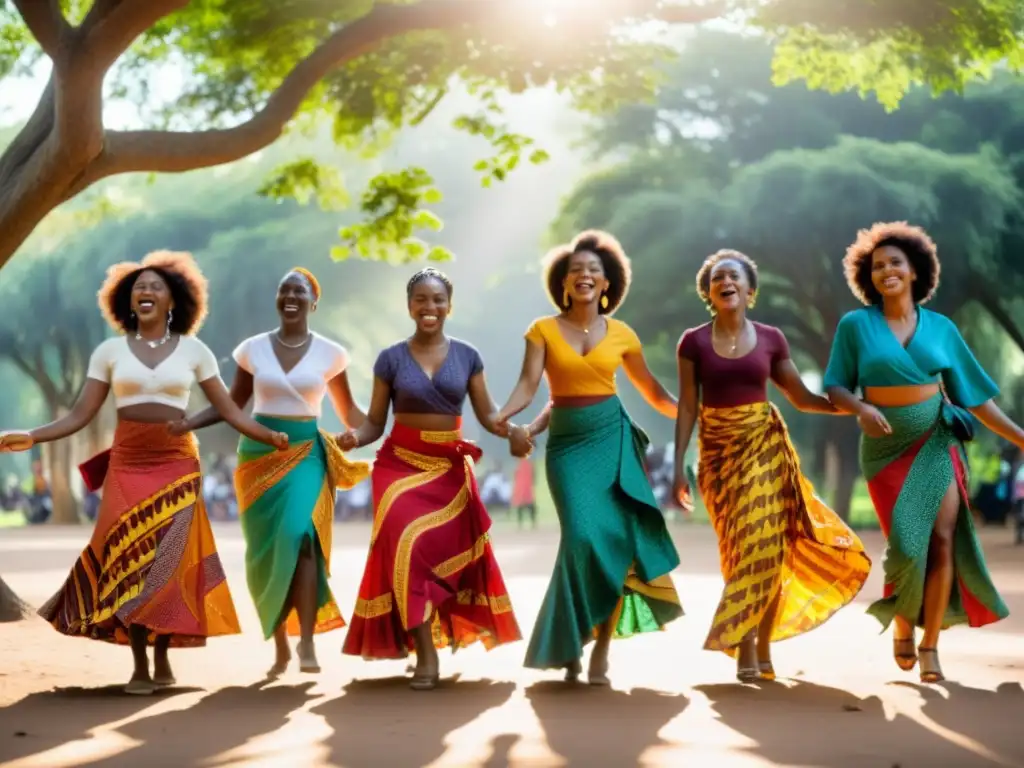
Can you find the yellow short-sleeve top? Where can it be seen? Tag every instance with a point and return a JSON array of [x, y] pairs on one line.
[[571, 374]]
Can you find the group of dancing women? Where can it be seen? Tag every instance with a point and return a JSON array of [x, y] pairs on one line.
[[151, 575]]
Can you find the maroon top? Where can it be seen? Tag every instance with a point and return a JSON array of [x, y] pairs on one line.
[[726, 382]]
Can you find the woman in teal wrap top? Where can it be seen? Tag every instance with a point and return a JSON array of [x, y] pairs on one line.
[[922, 390]]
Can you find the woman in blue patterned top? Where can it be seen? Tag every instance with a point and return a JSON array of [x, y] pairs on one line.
[[431, 579], [922, 390]]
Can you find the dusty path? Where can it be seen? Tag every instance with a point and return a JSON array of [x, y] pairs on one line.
[[841, 703]]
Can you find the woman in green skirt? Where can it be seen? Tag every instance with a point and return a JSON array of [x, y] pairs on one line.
[[286, 498], [611, 576], [921, 390]]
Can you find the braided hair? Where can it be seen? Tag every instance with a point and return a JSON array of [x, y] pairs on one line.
[[429, 274]]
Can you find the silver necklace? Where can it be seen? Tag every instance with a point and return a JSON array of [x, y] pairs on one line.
[[302, 343], [158, 342]]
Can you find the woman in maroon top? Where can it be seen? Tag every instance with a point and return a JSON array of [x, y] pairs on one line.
[[788, 561]]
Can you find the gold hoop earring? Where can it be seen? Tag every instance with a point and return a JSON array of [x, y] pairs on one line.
[[565, 298], [604, 302]]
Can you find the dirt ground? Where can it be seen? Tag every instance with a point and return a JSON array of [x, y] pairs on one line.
[[840, 700]]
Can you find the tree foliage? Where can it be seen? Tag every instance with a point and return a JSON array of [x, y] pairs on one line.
[[370, 69]]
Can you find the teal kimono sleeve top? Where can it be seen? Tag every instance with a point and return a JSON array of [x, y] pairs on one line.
[[866, 353]]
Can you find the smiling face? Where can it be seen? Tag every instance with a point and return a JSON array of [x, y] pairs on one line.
[[729, 286], [585, 280], [151, 298], [892, 274], [429, 305], [295, 298]]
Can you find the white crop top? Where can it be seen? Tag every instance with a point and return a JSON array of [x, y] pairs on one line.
[[300, 391], [170, 383]]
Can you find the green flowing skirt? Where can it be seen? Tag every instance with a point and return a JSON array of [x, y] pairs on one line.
[[615, 553], [908, 473], [286, 503]]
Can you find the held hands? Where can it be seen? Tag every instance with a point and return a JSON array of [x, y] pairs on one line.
[[15, 442], [179, 427], [872, 422], [681, 492], [348, 441], [520, 442]]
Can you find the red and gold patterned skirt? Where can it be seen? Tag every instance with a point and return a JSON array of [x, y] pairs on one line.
[[430, 552]]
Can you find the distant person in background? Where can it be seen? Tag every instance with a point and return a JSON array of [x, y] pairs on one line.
[[611, 576], [151, 572], [523, 499], [287, 497], [40, 500], [922, 390], [789, 562], [431, 578]]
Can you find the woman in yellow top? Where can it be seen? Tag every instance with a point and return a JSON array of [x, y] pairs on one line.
[[611, 574]]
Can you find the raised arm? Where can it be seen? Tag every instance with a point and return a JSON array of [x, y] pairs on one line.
[[221, 401], [344, 404], [88, 404], [528, 384], [787, 378], [241, 393], [992, 416], [653, 391]]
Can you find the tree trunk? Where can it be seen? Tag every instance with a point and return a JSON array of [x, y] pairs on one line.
[[12, 608], [58, 461]]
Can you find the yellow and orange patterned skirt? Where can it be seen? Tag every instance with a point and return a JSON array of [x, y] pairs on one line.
[[430, 552], [152, 559], [776, 538]]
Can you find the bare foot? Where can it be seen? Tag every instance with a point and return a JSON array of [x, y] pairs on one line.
[[281, 662]]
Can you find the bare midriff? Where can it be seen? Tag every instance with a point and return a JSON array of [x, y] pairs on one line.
[[150, 413], [581, 401], [429, 422], [897, 397]]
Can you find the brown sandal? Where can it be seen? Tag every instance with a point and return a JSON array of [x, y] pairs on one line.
[[903, 652], [931, 670], [767, 670]]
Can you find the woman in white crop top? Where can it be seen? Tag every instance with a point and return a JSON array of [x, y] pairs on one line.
[[151, 573], [286, 500]]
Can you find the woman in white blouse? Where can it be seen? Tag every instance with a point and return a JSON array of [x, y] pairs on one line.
[[151, 573], [286, 499]]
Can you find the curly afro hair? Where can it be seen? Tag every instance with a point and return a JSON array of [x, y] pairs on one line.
[[920, 251], [614, 261], [429, 274], [184, 279], [725, 254]]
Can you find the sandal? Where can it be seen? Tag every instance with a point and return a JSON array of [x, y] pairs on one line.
[[766, 669], [598, 675], [140, 688], [903, 652], [931, 671], [748, 674], [424, 682], [573, 670]]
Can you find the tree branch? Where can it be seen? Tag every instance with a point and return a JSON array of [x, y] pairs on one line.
[[176, 152], [987, 298], [46, 23], [111, 26]]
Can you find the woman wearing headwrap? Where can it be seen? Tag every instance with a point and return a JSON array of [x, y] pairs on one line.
[[286, 498]]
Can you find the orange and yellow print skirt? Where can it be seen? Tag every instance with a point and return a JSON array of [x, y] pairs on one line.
[[777, 540]]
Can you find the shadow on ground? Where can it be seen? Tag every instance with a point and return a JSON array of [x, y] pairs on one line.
[[844, 731], [381, 722], [45, 720], [600, 726]]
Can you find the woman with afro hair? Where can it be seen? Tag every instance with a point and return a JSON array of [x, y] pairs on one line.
[[611, 576], [788, 561], [920, 392], [151, 572]]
